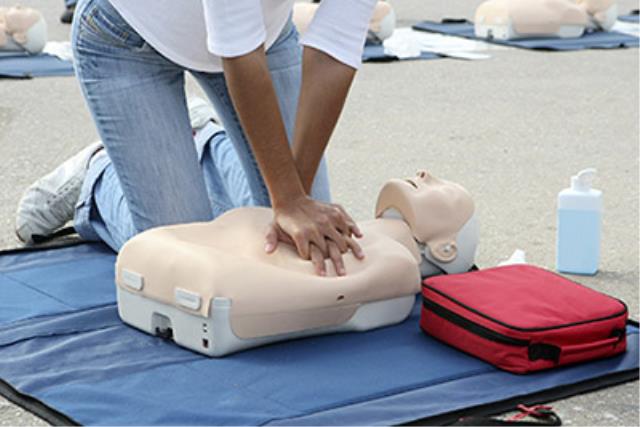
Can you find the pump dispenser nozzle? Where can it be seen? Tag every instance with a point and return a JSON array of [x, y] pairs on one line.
[[582, 181]]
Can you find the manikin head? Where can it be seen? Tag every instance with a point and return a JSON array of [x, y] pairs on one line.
[[441, 216], [602, 13], [22, 28]]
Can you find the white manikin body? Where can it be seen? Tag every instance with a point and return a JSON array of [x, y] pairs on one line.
[[514, 19], [22, 29], [211, 287]]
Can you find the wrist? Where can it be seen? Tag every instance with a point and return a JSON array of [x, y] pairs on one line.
[[287, 195]]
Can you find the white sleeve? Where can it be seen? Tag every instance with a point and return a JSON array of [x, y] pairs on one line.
[[339, 29], [234, 27]]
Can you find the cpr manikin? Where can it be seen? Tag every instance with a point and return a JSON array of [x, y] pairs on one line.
[[22, 29], [513, 19], [381, 25], [212, 288]]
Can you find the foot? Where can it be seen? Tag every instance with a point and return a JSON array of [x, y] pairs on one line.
[[67, 15], [49, 203]]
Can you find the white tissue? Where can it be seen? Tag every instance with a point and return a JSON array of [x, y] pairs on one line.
[[60, 49], [518, 257]]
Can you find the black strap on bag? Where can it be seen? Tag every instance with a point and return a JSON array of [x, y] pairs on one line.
[[538, 415]]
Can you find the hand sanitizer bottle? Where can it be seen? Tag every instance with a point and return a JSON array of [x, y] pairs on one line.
[[579, 224]]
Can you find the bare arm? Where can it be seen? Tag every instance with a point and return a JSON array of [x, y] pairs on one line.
[[325, 85], [247, 76], [309, 224]]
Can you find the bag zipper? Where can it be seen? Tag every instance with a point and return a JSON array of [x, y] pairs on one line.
[[516, 328], [472, 327]]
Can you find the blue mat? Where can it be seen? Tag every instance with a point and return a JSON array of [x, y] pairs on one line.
[[375, 53], [593, 40], [65, 355], [632, 17], [23, 65]]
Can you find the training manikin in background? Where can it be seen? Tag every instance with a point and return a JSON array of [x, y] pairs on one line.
[[22, 29], [513, 19], [381, 25]]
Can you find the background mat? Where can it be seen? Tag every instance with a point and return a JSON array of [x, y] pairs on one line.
[[23, 65], [64, 354], [593, 40], [375, 53]]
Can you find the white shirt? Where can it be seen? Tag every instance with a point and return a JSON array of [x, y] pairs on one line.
[[197, 33]]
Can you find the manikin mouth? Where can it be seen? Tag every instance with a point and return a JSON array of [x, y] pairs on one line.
[[412, 183]]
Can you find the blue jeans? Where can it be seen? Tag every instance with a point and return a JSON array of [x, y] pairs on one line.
[[155, 174]]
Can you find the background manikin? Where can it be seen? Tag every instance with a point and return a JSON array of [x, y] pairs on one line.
[[22, 29], [513, 19]]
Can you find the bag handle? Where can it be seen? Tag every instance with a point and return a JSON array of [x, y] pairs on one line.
[[554, 352]]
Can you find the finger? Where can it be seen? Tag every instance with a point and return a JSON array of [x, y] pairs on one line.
[[339, 220], [302, 244], [339, 239], [317, 259], [336, 258], [353, 227], [356, 230], [271, 239], [284, 237], [355, 248], [318, 239]]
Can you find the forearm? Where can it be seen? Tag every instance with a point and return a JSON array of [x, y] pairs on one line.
[[247, 76], [325, 85]]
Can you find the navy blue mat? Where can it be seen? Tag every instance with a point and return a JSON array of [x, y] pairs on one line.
[[632, 17], [593, 40], [375, 53], [65, 355], [23, 65]]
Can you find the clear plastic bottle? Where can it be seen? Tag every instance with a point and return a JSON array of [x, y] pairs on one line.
[[579, 226]]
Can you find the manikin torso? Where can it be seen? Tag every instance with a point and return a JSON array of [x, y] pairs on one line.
[[22, 29], [513, 19], [226, 258]]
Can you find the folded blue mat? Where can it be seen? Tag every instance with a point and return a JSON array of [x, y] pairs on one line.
[[375, 53], [65, 355], [24, 65], [592, 40]]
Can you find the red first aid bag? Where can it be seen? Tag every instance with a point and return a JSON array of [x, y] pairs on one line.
[[522, 318]]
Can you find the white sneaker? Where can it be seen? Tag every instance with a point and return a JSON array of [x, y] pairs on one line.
[[49, 203], [201, 112]]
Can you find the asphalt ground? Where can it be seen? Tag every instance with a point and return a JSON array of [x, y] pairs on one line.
[[512, 129]]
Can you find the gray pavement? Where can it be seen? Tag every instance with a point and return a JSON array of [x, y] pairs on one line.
[[512, 129]]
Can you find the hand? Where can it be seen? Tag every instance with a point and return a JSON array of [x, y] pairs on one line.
[[317, 230]]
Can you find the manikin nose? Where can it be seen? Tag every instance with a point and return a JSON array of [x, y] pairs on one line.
[[423, 174]]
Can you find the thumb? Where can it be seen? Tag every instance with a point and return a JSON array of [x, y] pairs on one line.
[[271, 239]]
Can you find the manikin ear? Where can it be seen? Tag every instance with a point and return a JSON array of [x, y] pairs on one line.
[[444, 250], [20, 38]]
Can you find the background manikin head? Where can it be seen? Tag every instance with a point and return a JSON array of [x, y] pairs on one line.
[[22, 28], [603, 13], [441, 216]]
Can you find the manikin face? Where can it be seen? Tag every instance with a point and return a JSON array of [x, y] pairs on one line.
[[435, 210]]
